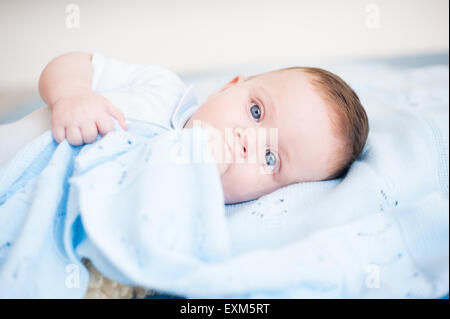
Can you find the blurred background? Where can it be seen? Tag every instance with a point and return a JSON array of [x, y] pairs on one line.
[[205, 36]]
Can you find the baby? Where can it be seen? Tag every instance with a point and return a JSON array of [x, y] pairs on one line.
[[313, 123], [277, 128]]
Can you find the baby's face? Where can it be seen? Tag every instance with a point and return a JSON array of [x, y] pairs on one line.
[[299, 142]]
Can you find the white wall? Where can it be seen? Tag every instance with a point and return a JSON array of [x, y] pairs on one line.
[[199, 35]]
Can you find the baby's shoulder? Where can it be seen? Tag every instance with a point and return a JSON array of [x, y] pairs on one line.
[[127, 74]]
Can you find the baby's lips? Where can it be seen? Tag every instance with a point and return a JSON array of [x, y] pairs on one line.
[[229, 154]]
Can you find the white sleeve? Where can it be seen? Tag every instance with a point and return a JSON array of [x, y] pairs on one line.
[[147, 93]]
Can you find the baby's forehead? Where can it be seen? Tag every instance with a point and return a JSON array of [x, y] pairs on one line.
[[293, 84], [302, 88], [291, 87], [299, 93]]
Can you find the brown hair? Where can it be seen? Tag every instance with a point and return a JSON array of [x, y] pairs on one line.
[[350, 120]]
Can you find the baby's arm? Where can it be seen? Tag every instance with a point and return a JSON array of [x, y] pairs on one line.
[[78, 113]]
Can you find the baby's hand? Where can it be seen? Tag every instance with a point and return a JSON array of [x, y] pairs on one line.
[[81, 117]]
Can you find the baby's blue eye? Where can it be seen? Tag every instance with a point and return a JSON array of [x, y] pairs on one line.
[[271, 159], [256, 111]]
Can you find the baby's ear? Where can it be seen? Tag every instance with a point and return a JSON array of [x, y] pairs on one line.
[[237, 79]]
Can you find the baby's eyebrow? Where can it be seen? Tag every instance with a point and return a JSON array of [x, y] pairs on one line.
[[285, 160], [268, 101]]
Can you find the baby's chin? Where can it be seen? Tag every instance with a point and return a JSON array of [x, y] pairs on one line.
[[230, 199], [231, 196], [233, 199], [234, 195]]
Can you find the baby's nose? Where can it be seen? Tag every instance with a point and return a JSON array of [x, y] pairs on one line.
[[250, 143]]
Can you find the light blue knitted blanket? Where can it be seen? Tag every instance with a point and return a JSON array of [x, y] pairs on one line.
[[138, 203]]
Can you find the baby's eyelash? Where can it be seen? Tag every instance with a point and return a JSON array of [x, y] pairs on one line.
[[256, 110], [275, 156]]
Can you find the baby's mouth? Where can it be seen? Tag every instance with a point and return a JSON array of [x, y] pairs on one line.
[[230, 157], [233, 147]]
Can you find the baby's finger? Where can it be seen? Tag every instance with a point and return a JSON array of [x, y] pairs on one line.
[[89, 132], [118, 115], [73, 135], [105, 125], [59, 133]]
